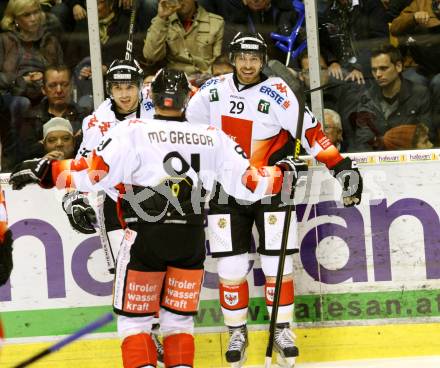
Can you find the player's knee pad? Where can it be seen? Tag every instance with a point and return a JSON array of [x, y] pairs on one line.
[[179, 350], [171, 323], [182, 290], [136, 293], [134, 325], [139, 351], [233, 268], [269, 264]]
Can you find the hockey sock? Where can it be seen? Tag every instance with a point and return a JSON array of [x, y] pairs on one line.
[[234, 300], [179, 350], [285, 309], [139, 351]]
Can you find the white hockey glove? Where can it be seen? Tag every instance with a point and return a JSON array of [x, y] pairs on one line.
[[81, 214], [294, 170], [348, 175], [36, 171]]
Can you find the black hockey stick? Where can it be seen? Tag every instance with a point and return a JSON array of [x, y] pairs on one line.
[[278, 69], [129, 47]]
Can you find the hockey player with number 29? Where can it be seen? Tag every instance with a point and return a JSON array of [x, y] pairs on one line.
[[161, 168], [261, 114]]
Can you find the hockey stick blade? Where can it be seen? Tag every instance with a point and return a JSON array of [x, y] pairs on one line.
[[102, 321]]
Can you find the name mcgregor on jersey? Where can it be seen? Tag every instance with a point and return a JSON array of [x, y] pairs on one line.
[[180, 138]]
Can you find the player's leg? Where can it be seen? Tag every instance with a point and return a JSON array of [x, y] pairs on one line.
[[270, 222], [136, 300], [230, 232]]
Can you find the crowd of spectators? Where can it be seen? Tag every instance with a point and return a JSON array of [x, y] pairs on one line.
[[379, 61]]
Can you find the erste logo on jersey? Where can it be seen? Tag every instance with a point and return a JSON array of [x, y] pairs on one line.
[[148, 105], [273, 93], [212, 82]]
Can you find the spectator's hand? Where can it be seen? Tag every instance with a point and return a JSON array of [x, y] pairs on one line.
[[421, 17], [79, 12], [54, 155], [104, 69], [85, 73], [167, 7], [356, 76], [33, 77], [125, 4], [335, 71]]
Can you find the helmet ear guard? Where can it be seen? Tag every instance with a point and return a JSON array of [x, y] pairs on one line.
[[247, 42], [170, 89], [123, 71]]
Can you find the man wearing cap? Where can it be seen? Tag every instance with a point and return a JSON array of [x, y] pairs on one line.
[[58, 140]]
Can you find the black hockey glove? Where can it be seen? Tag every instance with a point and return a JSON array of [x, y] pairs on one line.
[[33, 171], [6, 258], [348, 175], [82, 216], [294, 170]]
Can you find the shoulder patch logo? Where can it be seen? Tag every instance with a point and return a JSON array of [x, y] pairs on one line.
[[213, 95], [263, 106]]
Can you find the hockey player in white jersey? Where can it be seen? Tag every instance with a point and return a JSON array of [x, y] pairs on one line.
[[261, 114], [126, 100], [161, 168]]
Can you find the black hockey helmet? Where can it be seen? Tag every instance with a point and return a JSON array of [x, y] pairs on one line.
[[248, 42], [124, 71], [170, 89]]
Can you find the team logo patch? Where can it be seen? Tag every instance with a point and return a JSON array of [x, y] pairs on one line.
[[263, 106], [213, 95], [231, 298], [270, 292], [222, 223], [272, 220]]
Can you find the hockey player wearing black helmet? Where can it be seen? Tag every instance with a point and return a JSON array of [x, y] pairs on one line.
[[248, 55], [170, 91], [123, 84]]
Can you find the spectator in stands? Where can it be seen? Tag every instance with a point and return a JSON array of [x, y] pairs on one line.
[[262, 16], [340, 96], [332, 127], [418, 27], [222, 66], [58, 140], [113, 32], [26, 47], [407, 137], [394, 7], [393, 100], [184, 36], [57, 88], [346, 23]]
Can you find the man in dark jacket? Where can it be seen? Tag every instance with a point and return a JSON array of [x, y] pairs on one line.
[[392, 101], [57, 89]]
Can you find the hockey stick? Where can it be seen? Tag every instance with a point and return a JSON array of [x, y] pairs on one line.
[[280, 70], [129, 47], [102, 321]]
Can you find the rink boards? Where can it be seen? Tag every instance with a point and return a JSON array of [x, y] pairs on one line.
[[373, 271]]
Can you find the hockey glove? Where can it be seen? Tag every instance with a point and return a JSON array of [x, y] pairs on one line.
[[33, 171], [348, 175], [6, 257], [294, 170], [82, 216]]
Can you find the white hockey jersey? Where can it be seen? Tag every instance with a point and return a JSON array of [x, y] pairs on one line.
[[147, 152], [260, 119], [96, 125]]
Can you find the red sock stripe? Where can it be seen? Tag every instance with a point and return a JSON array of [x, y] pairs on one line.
[[286, 294], [234, 297], [179, 350], [138, 351]]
